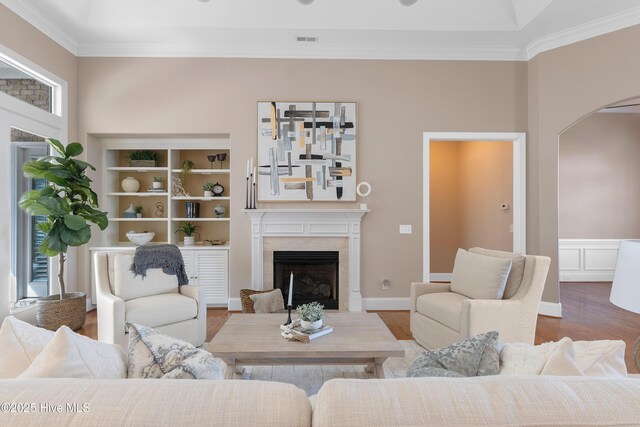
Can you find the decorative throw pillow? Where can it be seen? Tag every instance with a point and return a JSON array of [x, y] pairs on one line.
[[517, 268], [475, 356], [20, 344], [71, 355], [153, 354], [268, 302], [603, 358], [478, 276]]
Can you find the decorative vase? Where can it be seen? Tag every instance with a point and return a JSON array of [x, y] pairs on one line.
[[208, 194], [138, 215], [130, 184], [310, 325], [219, 210], [130, 212], [157, 185], [189, 240]]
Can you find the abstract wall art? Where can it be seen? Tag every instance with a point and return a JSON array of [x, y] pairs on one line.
[[307, 151]]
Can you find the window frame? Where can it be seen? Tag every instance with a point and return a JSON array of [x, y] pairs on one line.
[[15, 113]]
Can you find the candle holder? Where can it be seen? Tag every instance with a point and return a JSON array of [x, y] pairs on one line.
[[289, 317]]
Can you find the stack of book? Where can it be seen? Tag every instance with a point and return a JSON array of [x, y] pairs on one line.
[[312, 333]]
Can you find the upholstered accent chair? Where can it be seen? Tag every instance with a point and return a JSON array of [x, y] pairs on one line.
[[155, 301], [489, 291]]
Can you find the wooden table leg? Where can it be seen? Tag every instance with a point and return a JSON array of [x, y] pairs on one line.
[[378, 369], [230, 369]]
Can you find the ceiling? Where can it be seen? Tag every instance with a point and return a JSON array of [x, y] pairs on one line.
[[360, 29]]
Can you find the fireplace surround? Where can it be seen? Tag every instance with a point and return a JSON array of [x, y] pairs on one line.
[[304, 230]]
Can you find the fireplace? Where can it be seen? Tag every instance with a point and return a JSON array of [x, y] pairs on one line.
[[315, 276]]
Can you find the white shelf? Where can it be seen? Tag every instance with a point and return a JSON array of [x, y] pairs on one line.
[[137, 169], [200, 219], [204, 199], [139, 219], [140, 194], [204, 171]]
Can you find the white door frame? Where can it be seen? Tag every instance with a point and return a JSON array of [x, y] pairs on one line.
[[519, 185]]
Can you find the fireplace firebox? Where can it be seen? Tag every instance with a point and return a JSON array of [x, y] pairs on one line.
[[315, 276]]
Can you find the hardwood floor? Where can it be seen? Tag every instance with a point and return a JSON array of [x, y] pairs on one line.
[[588, 315]]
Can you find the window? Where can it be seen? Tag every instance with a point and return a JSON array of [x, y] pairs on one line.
[[25, 87], [33, 105], [31, 268]]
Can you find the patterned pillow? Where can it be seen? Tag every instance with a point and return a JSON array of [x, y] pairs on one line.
[[153, 354], [475, 356]]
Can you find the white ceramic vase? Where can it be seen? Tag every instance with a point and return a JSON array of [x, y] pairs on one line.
[[310, 325], [189, 240], [130, 184], [208, 194], [157, 185]]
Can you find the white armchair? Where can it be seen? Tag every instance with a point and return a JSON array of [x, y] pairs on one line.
[[441, 317], [157, 302]]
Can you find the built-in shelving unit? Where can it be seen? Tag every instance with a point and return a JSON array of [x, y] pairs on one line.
[[162, 212]]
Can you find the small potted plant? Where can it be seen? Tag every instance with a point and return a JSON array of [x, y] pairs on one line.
[[208, 189], [138, 211], [157, 182], [143, 158], [311, 315], [188, 229]]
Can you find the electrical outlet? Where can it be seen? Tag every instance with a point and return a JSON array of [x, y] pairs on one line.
[[386, 284], [405, 229]]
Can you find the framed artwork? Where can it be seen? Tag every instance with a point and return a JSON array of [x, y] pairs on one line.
[[307, 151]]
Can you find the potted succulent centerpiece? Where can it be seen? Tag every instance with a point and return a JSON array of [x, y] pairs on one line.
[[311, 315], [69, 204], [208, 188], [138, 211], [188, 229], [143, 158]]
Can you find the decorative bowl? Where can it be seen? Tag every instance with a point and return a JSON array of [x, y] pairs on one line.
[[140, 238]]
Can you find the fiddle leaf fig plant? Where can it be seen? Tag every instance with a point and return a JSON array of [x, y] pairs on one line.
[[67, 202]]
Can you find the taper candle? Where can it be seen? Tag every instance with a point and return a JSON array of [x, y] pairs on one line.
[[247, 168], [290, 289]]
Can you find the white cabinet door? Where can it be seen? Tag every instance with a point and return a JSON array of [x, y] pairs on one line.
[[209, 269], [189, 260], [212, 272]]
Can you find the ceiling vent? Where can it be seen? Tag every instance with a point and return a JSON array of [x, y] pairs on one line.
[[303, 39]]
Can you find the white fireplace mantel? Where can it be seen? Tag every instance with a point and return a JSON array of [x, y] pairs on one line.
[[307, 223]]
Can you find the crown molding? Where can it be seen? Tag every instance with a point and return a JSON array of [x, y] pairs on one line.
[[582, 32], [338, 51], [46, 26], [291, 51]]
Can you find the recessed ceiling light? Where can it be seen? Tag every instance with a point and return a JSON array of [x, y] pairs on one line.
[[305, 2], [203, 1], [408, 2]]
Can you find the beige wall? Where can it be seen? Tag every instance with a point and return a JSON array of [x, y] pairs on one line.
[[565, 85], [469, 182], [30, 43], [397, 102], [600, 178]]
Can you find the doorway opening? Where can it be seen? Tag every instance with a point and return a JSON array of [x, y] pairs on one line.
[[516, 206]]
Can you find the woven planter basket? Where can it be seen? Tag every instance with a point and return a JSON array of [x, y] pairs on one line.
[[53, 312]]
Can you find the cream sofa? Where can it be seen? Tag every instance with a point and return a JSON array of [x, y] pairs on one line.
[[488, 401]]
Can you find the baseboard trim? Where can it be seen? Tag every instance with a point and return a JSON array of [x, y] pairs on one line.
[[392, 303], [440, 277], [552, 309], [235, 304]]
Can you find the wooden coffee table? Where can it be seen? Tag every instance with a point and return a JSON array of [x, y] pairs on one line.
[[254, 339]]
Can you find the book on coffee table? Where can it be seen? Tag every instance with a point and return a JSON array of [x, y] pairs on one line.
[[313, 333]]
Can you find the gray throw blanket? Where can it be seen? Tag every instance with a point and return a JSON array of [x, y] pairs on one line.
[[166, 257]]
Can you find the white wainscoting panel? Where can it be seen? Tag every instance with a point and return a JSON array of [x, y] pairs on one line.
[[587, 260]]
